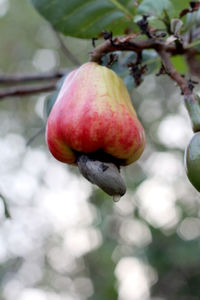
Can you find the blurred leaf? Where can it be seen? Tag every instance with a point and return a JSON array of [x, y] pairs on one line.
[[129, 82], [190, 6], [166, 20], [179, 63], [86, 19], [149, 58], [157, 22], [191, 19], [49, 102], [179, 5], [196, 45], [176, 25], [154, 7], [116, 66]]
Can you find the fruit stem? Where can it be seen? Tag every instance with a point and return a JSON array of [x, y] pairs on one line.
[[193, 106]]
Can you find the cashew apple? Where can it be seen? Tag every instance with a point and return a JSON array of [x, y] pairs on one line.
[[93, 113], [93, 125]]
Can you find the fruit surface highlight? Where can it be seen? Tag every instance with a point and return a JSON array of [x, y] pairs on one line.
[[192, 161], [94, 114]]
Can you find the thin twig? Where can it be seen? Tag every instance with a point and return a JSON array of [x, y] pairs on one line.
[[173, 73], [6, 210], [65, 50], [19, 78], [26, 90], [38, 133]]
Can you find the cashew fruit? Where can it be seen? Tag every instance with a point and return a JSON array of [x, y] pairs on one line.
[[192, 161], [93, 116], [93, 112]]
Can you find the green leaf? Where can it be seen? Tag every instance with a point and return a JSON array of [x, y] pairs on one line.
[[180, 5], [88, 18], [179, 63], [154, 7], [192, 19]]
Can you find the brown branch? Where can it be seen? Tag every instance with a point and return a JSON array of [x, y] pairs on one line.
[[130, 43], [173, 73], [26, 90], [19, 78], [122, 44]]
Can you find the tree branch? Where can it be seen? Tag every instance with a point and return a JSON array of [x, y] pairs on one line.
[[191, 100], [26, 90], [122, 44], [173, 73], [19, 78], [131, 43]]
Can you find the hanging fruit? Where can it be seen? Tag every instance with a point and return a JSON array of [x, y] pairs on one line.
[[93, 120], [192, 161]]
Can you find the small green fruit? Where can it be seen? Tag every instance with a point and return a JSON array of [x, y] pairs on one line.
[[192, 161]]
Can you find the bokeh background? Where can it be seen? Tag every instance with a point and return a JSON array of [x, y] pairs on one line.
[[66, 239]]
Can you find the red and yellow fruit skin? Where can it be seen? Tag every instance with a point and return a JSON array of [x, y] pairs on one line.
[[93, 112]]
